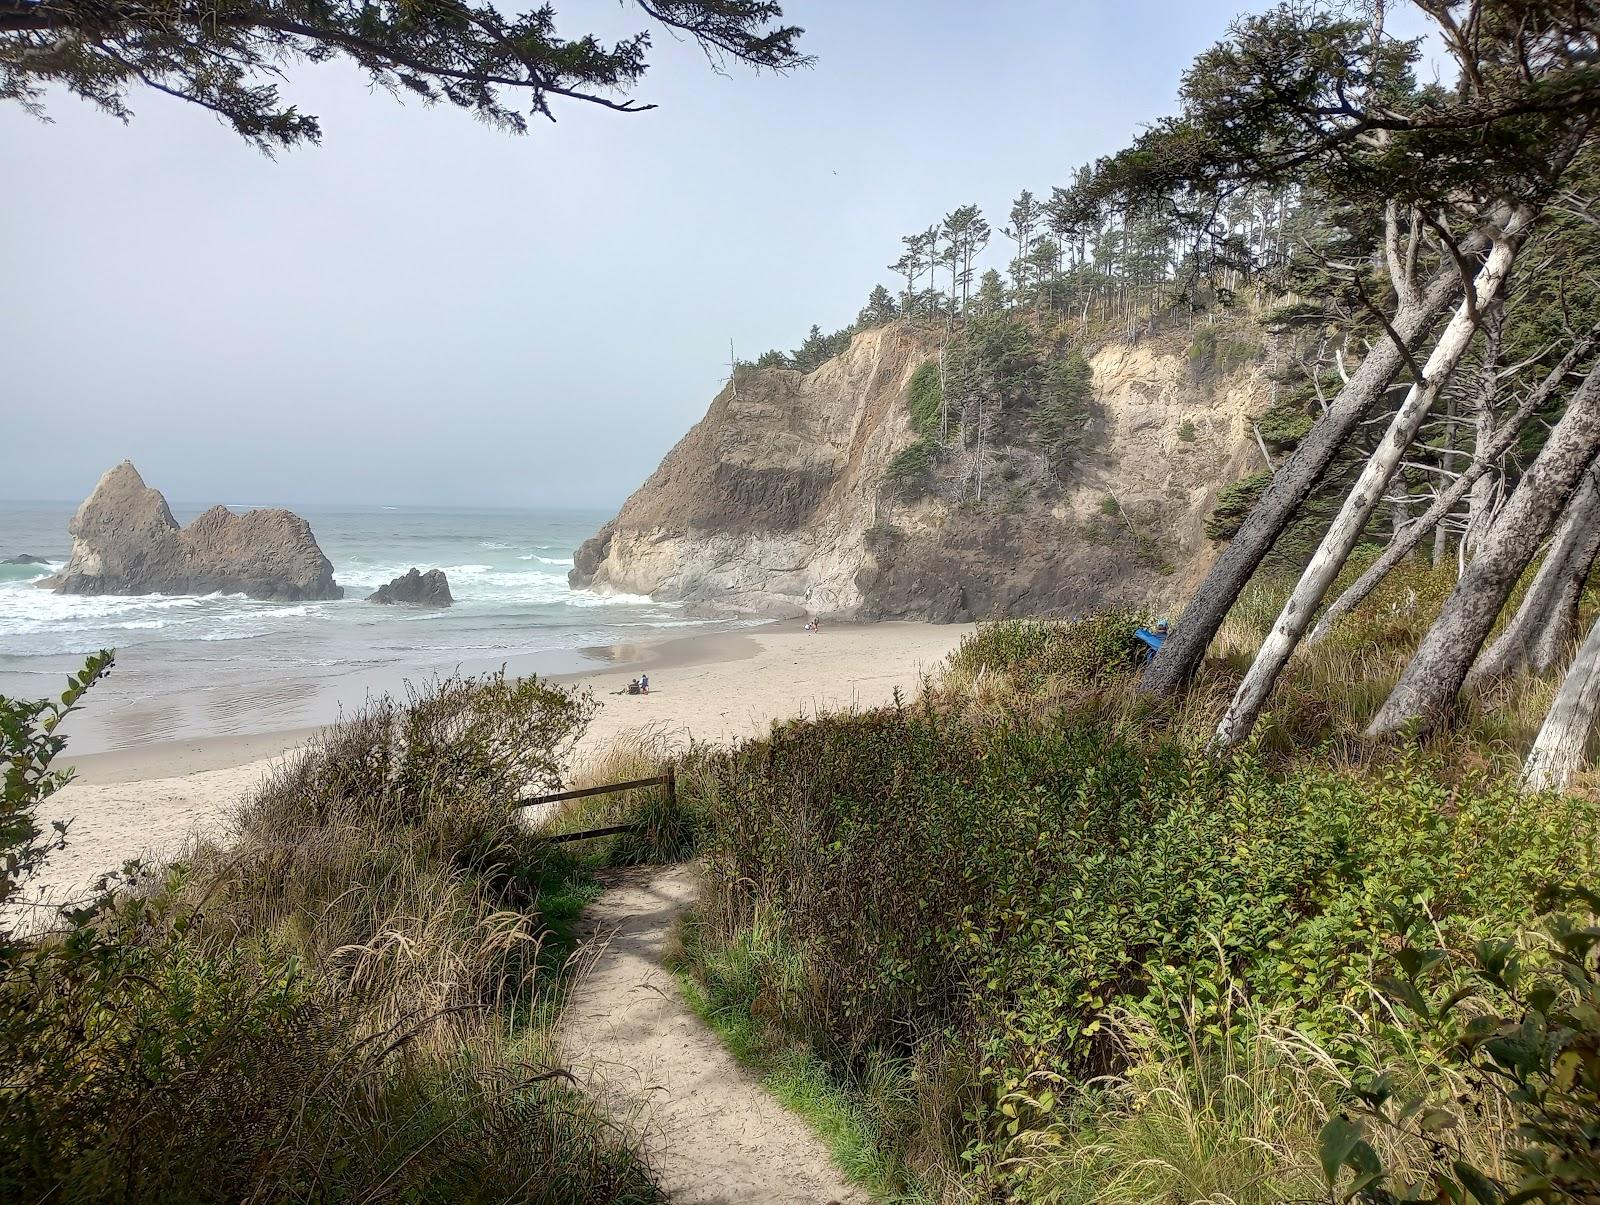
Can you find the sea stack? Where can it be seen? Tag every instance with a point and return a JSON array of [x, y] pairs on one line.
[[125, 541], [430, 589]]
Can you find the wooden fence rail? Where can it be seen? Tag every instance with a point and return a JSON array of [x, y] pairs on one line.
[[668, 780]]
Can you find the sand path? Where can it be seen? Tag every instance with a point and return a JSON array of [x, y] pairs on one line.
[[711, 1132]]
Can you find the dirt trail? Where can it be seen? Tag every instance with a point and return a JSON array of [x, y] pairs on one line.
[[712, 1133]]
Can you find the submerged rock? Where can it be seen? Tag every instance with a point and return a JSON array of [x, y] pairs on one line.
[[414, 589], [125, 541], [24, 559]]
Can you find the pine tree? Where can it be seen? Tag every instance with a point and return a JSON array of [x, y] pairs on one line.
[[228, 56]]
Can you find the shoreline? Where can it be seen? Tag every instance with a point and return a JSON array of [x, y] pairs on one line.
[[712, 686], [180, 756]]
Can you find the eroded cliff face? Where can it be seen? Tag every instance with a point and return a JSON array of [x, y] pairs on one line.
[[776, 504]]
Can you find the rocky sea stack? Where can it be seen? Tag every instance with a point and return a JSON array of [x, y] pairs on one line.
[[415, 589], [125, 541]]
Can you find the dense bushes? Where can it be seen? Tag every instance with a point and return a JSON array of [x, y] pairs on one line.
[[996, 890], [344, 1002], [1034, 655]]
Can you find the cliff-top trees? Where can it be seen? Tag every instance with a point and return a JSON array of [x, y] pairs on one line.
[[228, 56], [1300, 96]]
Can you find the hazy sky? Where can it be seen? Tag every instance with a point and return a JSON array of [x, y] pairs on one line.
[[424, 310]]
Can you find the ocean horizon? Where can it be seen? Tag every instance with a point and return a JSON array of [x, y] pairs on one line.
[[223, 664]]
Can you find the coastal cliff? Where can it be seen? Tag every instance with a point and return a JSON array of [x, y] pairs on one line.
[[125, 541], [788, 497]]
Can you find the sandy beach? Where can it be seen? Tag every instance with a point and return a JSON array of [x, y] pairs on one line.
[[717, 687]]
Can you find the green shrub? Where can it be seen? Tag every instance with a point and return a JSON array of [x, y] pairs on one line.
[[1209, 348], [332, 1006], [29, 745], [1519, 1019], [1062, 415], [1186, 431], [1033, 652], [913, 464], [925, 399], [999, 887], [1234, 504], [1284, 424]]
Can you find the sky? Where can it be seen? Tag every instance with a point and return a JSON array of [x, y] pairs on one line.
[[423, 310]]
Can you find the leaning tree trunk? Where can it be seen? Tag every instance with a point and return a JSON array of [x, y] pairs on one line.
[[1367, 492], [1291, 485], [1547, 620], [1475, 475], [1428, 688], [1447, 462], [1558, 749], [1561, 626]]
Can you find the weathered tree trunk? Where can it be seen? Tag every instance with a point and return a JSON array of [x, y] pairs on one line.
[[1558, 749], [1476, 474], [1561, 625], [1547, 620], [1291, 485], [1368, 491], [1427, 690], [1448, 463]]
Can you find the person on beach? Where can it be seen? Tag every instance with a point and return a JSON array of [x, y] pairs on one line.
[[644, 684]]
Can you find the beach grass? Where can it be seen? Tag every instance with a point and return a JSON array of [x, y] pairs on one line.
[[347, 998]]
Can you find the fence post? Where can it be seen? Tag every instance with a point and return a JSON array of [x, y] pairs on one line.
[[672, 787]]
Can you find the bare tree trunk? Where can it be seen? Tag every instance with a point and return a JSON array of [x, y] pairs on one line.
[[1428, 688], [1558, 749], [1561, 626], [1399, 513], [1477, 473], [1548, 617], [1291, 485], [1448, 463], [1485, 423], [1367, 492]]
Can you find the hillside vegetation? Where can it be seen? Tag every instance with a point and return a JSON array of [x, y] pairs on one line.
[[346, 999], [1051, 949]]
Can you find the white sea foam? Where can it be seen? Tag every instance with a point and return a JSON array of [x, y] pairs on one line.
[[508, 576]]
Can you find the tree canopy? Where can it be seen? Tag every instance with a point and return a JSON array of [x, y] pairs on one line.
[[230, 56]]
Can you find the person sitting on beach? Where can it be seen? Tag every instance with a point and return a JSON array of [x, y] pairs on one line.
[[633, 687]]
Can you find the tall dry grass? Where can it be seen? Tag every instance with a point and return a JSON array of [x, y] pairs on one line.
[[344, 999], [1235, 1118], [670, 826]]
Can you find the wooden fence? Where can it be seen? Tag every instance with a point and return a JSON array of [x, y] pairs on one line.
[[668, 780]]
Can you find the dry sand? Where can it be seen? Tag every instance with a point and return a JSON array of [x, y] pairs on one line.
[[710, 1131], [716, 687]]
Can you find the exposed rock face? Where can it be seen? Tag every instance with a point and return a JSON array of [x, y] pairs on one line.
[[775, 503], [24, 559], [411, 588], [125, 541]]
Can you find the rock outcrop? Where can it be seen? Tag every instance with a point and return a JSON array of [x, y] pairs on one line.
[[125, 541], [777, 503], [24, 559], [430, 589]]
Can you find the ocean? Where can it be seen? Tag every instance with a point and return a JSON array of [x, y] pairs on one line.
[[228, 665]]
